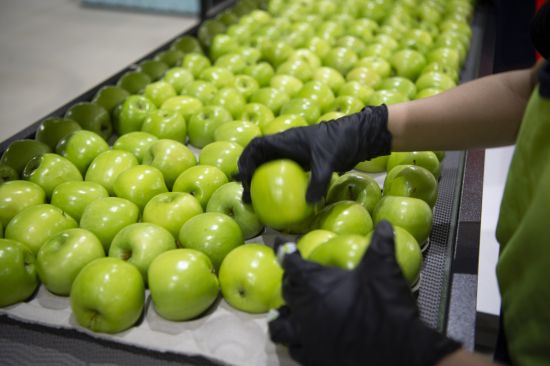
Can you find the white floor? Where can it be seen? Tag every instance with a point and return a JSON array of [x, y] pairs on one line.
[[53, 50]]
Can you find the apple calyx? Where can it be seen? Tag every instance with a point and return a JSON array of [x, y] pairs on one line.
[[32, 165]]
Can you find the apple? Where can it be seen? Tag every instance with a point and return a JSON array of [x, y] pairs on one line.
[[233, 61], [230, 99], [341, 59], [342, 251], [412, 214], [205, 91], [278, 194], [319, 46], [212, 233], [170, 157], [36, 224], [202, 125], [276, 52], [428, 92], [105, 217], [7, 173], [81, 148], [133, 113], [379, 65], [200, 181], [139, 184], [256, 113], [297, 67], [50, 170], [171, 57], [91, 116], [178, 78], [426, 159], [357, 90], [240, 32], [134, 81], [434, 79], [20, 152], [375, 10], [330, 116], [262, 72], [271, 97], [306, 108], [222, 44], [363, 28], [347, 104], [312, 239], [251, 279], [73, 196], [140, 243], [159, 91], [365, 76], [384, 96], [446, 56], [445, 69], [355, 186], [61, 258], [246, 85], [195, 63], [411, 181], [17, 195], [330, 77], [182, 284], [107, 296], [377, 49], [137, 143], [319, 92], [374, 165], [154, 68], [330, 30], [351, 42], [106, 167], [408, 63], [344, 217], [185, 105], [307, 55], [171, 210], [54, 129], [400, 84], [18, 278], [453, 40], [218, 76], [223, 155], [227, 199], [166, 125], [283, 122], [418, 40], [288, 84], [239, 132], [188, 44], [457, 26], [110, 96]]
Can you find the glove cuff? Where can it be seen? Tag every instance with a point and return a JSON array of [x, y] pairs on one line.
[[378, 138]]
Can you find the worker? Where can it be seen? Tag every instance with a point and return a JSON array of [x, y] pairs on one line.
[[368, 316]]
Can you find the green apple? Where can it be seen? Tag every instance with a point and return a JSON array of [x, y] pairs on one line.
[[374, 10], [262, 72], [452, 40], [351, 42], [183, 284], [166, 125], [187, 44], [357, 90], [288, 84], [307, 55], [222, 155], [435, 79], [306, 108], [319, 46], [171, 210], [271, 97], [200, 181], [384, 96], [297, 67], [411, 181], [445, 69], [418, 40], [18, 278], [222, 44], [202, 125], [412, 214], [374, 165], [110, 96], [91, 116], [283, 123], [7, 173], [400, 84], [227, 199], [139, 184], [50, 170], [133, 113], [251, 279], [319, 92], [218, 76], [170, 157], [355, 186], [278, 193], [137, 143], [54, 129], [377, 64], [107, 296], [105, 217], [212, 233], [344, 217], [276, 52], [346, 104], [428, 92], [159, 91], [154, 68], [342, 251], [20, 152], [195, 63], [246, 85], [61, 258], [171, 57], [230, 99], [36, 224], [134, 81], [341, 59], [256, 113], [312, 239], [362, 28], [233, 61], [73, 196], [185, 105], [178, 77], [239, 132], [408, 63], [17, 195], [140, 243], [329, 116], [365, 76], [106, 167], [331, 77], [81, 148], [205, 91], [330, 30], [407, 254], [446, 56], [426, 159]]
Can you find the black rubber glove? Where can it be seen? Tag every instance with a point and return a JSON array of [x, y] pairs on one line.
[[324, 148], [366, 316]]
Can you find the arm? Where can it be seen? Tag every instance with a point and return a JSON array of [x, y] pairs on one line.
[[463, 357], [485, 112]]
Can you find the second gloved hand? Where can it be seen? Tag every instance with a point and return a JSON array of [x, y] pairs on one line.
[[324, 148]]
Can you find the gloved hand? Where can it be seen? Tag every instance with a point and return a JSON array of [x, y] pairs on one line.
[[366, 316], [323, 148]]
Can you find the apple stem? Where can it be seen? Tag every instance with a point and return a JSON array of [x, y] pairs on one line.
[[351, 193], [242, 292], [125, 255]]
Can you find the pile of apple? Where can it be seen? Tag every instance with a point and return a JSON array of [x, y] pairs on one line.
[[132, 194]]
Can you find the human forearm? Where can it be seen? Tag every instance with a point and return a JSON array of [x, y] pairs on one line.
[[485, 112], [465, 358]]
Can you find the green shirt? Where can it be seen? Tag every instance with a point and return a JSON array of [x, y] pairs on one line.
[[523, 232]]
